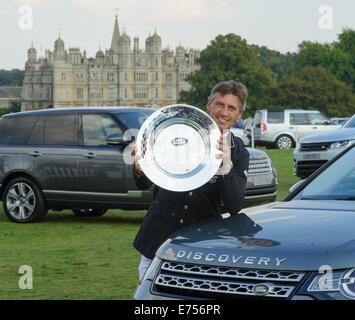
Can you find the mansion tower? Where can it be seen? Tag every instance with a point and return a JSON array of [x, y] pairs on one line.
[[121, 76]]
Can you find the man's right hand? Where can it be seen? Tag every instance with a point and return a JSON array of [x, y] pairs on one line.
[[135, 157]]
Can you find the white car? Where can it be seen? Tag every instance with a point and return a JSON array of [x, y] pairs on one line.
[[242, 135], [314, 151], [282, 129]]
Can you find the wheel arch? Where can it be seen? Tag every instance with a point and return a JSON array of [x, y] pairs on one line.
[[14, 175], [285, 133], [288, 135]]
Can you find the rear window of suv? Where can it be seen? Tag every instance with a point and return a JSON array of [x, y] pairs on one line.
[[275, 116], [58, 130], [15, 130]]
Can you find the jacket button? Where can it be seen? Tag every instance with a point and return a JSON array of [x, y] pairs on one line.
[[181, 221], [190, 193], [186, 207]]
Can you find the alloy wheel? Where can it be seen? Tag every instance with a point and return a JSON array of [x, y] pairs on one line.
[[284, 143], [20, 201]]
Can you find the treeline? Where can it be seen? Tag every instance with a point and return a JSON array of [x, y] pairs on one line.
[[318, 76], [12, 78]]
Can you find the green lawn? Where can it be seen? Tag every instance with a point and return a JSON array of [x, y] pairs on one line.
[[85, 258]]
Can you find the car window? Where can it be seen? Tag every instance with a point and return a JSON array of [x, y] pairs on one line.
[[317, 118], [336, 182], [97, 127], [134, 119], [299, 119], [15, 130], [275, 116], [60, 130], [36, 136], [350, 123]]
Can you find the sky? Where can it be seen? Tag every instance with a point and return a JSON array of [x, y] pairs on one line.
[[88, 24]]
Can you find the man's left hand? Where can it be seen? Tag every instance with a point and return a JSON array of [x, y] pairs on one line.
[[226, 164]]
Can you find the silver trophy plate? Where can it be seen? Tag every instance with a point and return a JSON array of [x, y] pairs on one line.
[[177, 147]]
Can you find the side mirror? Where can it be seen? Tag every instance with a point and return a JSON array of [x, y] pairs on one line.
[[295, 186], [118, 139]]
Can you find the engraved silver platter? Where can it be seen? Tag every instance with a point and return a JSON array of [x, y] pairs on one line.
[[177, 146]]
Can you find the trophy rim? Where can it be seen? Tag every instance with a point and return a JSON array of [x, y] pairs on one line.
[[198, 129]]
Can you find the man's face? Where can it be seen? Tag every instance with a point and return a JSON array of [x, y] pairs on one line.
[[224, 110]]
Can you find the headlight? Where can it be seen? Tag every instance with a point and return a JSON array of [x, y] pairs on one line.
[[152, 269], [339, 144], [339, 284]]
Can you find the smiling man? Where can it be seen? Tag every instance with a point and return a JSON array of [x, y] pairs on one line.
[[171, 210]]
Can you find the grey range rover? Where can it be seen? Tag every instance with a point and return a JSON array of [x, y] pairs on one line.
[[73, 158], [301, 248]]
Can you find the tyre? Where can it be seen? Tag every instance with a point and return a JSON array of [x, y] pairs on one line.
[[89, 212], [23, 201], [284, 142]]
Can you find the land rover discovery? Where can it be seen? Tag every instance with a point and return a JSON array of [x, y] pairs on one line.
[[299, 248], [283, 128]]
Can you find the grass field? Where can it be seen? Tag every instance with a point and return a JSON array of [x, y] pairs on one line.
[[85, 258]]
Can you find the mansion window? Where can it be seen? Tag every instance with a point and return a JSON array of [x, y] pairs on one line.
[[110, 76], [169, 92], [140, 94], [79, 77], [80, 93], [110, 93], [64, 94], [29, 93], [95, 93], [183, 76], [169, 76], [94, 76], [140, 76], [48, 92], [63, 76]]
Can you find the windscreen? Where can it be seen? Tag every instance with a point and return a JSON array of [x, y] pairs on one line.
[[337, 182]]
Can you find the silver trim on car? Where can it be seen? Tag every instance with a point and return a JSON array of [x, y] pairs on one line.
[[226, 280], [257, 166], [129, 194]]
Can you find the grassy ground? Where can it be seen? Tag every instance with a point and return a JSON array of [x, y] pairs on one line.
[[85, 258]]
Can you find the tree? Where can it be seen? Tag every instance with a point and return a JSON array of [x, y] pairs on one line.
[[337, 57], [225, 58], [14, 107], [313, 88], [11, 78], [347, 45], [281, 64]]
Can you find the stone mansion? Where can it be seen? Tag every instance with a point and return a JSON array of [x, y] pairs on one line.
[[120, 76]]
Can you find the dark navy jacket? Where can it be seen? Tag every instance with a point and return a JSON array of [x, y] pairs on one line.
[[171, 210]]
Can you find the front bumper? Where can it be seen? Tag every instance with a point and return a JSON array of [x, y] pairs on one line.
[[305, 163]]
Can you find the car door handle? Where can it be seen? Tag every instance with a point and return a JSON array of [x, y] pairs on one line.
[[314, 127], [35, 153], [89, 155], [291, 127]]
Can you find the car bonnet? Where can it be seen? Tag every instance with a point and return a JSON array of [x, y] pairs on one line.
[[295, 235]]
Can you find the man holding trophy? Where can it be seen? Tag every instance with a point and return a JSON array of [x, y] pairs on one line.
[[172, 210]]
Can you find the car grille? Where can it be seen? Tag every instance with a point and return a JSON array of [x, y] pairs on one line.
[[257, 166], [323, 146], [259, 191], [305, 168], [224, 282]]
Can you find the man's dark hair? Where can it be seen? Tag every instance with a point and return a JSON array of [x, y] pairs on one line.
[[231, 87]]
